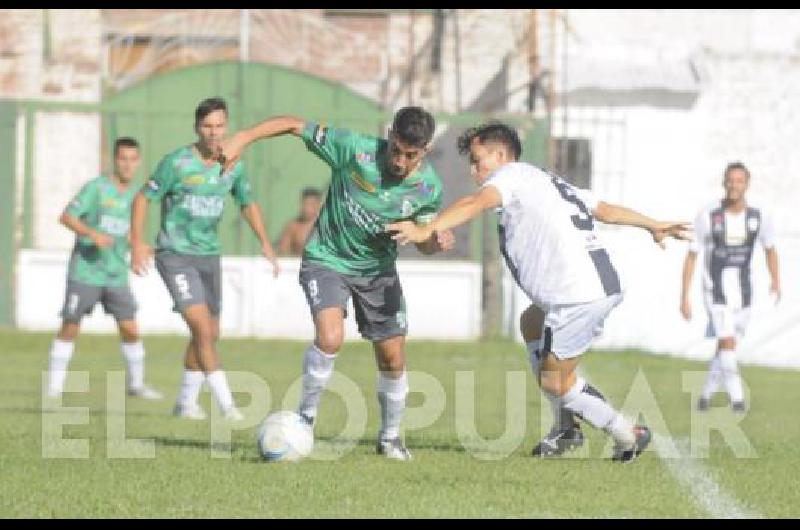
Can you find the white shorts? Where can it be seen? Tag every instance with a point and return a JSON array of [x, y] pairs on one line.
[[725, 321], [570, 329]]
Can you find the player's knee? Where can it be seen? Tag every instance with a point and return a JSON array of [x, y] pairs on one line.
[[68, 331], [727, 343], [329, 341], [553, 383]]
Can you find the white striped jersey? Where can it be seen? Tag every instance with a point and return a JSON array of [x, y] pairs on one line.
[[549, 239]]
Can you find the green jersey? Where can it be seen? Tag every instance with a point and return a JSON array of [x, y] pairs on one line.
[[102, 207], [349, 235], [192, 199]]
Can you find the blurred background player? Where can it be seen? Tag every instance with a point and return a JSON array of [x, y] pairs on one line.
[[550, 243], [295, 233], [374, 181], [192, 188], [726, 232], [98, 269]]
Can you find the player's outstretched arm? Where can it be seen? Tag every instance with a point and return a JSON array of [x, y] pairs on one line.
[[458, 213], [79, 227], [620, 215], [140, 251], [231, 149], [252, 214], [440, 241], [772, 266]]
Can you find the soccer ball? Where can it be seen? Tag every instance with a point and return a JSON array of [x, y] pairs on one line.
[[284, 436]]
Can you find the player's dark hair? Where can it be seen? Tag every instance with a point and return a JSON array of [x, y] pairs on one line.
[[414, 126], [207, 106], [311, 192], [736, 165], [491, 132], [125, 141]]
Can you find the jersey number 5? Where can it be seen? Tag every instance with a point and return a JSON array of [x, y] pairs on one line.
[[583, 220]]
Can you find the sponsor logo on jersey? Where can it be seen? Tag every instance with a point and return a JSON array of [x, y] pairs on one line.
[[202, 206], [153, 185], [365, 220], [363, 183], [114, 225], [365, 158], [193, 180]]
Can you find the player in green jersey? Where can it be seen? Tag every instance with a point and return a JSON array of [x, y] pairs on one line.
[[192, 187], [374, 182], [98, 269]]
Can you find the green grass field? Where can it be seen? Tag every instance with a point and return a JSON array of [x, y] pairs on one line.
[[445, 479]]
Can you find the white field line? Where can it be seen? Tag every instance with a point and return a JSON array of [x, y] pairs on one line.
[[692, 475]]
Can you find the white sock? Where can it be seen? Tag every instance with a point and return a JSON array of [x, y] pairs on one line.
[[714, 378], [586, 402], [392, 394], [730, 374], [219, 387], [60, 354], [190, 388], [317, 371], [134, 356]]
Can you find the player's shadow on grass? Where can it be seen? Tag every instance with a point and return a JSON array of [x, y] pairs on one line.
[[203, 445], [422, 444]]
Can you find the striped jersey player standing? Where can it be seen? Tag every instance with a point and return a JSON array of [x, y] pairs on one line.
[[726, 233], [549, 240]]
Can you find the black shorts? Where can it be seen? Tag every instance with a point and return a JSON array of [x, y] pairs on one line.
[[378, 299], [192, 280], [81, 298]]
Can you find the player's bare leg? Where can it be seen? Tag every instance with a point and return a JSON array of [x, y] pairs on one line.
[[319, 359], [392, 392], [558, 378], [60, 354], [202, 354], [565, 434], [133, 352]]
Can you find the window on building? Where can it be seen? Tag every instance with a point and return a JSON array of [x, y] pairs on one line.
[[573, 160]]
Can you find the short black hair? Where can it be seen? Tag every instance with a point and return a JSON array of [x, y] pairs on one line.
[[311, 192], [414, 126], [736, 165], [207, 106], [493, 131], [125, 141]]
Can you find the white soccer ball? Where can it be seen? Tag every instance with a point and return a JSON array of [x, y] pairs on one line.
[[285, 436]]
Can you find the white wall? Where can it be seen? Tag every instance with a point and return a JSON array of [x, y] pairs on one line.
[[442, 299]]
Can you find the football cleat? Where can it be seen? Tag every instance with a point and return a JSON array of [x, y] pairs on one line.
[[703, 404], [626, 455], [233, 414], [739, 406], [194, 412], [145, 392], [393, 448], [556, 443]]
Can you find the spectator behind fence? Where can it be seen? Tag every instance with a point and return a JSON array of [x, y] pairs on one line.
[[294, 234]]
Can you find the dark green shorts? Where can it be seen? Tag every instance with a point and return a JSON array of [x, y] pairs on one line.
[[378, 299], [191, 280], [81, 298]]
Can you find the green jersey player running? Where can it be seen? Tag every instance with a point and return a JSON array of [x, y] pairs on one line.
[[374, 181], [98, 269], [192, 188]]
